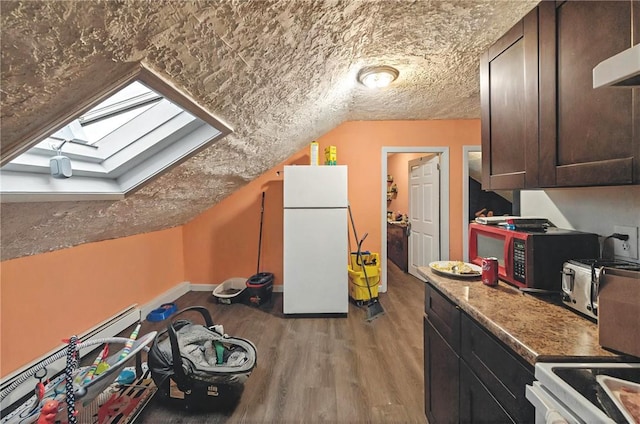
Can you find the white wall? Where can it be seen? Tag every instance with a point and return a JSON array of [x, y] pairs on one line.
[[590, 209]]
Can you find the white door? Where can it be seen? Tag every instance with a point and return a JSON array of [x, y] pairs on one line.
[[424, 212]]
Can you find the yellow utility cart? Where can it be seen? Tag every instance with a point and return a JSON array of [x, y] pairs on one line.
[[358, 291]]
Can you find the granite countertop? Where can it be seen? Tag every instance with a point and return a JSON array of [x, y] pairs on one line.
[[538, 329]]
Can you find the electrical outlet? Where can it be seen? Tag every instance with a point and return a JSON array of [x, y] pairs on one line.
[[626, 249]]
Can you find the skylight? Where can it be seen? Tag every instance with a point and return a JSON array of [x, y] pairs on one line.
[[124, 140]]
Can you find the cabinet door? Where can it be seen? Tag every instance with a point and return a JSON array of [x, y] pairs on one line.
[[500, 371], [587, 136], [509, 108], [397, 246], [441, 387], [477, 405]]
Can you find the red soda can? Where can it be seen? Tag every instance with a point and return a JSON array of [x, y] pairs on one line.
[[490, 271]]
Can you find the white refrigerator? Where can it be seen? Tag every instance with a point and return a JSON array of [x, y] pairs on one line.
[[315, 278]]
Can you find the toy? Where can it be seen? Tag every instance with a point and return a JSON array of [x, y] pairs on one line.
[[48, 412]]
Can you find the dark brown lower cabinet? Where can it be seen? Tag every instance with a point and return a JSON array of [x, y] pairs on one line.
[[477, 404], [398, 246], [441, 378], [469, 375]]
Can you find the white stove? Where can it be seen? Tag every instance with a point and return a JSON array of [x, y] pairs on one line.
[[569, 392]]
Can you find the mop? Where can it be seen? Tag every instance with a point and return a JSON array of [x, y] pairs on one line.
[[374, 308]]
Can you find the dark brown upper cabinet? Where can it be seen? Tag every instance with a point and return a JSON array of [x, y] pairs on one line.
[[588, 136], [543, 123], [509, 108]]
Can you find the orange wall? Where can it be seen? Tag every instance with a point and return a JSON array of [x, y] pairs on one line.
[[46, 298], [223, 242], [50, 296], [398, 167]]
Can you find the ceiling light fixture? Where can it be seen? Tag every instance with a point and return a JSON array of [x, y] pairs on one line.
[[377, 76]]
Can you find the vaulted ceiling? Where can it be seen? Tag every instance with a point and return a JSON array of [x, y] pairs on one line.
[[280, 72]]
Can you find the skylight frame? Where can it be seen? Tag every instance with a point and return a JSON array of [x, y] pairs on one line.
[[119, 107], [36, 186]]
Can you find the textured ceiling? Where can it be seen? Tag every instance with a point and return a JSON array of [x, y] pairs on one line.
[[281, 73]]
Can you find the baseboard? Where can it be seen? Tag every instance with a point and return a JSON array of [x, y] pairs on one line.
[[203, 287]]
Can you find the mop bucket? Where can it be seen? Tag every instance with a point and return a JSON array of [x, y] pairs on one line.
[[259, 288], [358, 290]]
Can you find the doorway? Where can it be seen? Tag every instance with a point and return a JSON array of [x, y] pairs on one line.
[[443, 152]]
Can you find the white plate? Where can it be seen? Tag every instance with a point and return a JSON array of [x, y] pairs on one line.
[[612, 386], [448, 264]]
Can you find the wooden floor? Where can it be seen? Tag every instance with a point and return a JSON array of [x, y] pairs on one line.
[[313, 370]]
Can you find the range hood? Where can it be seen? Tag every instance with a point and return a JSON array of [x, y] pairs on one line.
[[621, 70]]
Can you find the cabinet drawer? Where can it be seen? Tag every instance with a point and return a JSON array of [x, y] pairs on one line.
[[444, 316], [498, 369]]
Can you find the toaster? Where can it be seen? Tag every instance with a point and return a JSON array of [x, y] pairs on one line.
[[581, 282]]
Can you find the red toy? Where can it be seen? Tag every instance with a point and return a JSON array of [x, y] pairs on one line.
[[48, 412]]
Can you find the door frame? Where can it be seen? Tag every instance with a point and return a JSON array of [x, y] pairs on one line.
[[465, 198], [444, 201]]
